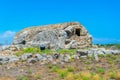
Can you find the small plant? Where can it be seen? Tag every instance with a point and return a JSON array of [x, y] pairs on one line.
[[63, 51], [101, 70], [108, 55], [30, 71], [101, 55], [70, 69], [38, 76], [114, 57], [92, 56], [118, 76], [63, 73], [96, 77], [115, 75], [47, 51], [23, 78], [85, 75], [70, 76], [88, 67], [49, 66], [88, 62], [31, 50], [54, 68], [112, 75], [77, 76], [19, 53]]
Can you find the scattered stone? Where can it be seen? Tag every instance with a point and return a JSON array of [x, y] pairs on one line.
[[96, 57], [107, 52], [26, 56], [116, 51], [38, 56], [44, 55], [67, 58], [32, 60], [49, 58], [76, 57], [113, 48], [56, 56], [82, 53], [13, 59]]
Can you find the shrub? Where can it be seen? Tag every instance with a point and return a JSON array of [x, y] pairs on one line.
[[23, 78], [70, 69], [63, 51], [88, 62], [63, 73], [101, 70], [101, 55], [70, 76], [86, 75], [54, 68], [38, 76], [31, 50], [96, 77]]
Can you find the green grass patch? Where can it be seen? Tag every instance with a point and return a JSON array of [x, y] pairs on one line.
[[46, 51], [63, 51], [22, 77]]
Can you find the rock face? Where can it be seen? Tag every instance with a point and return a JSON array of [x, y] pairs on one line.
[[66, 35]]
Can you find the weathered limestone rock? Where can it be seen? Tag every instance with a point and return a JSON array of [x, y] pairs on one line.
[[55, 36]]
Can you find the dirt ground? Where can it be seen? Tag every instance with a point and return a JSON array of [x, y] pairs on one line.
[[37, 71]]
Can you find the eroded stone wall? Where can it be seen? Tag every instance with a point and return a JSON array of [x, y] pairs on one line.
[[66, 35]]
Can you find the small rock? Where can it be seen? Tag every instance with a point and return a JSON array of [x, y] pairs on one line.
[[3, 59], [49, 57], [38, 56], [107, 52], [54, 62], [13, 58], [82, 53], [32, 60], [116, 51], [113, 48], [75, 56], [56, 56], [44, 55], [96, 57], [67, 58], [26, 56]]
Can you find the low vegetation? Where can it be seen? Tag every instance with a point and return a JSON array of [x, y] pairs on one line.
[[107, 68], [109, 45], [46, 51]]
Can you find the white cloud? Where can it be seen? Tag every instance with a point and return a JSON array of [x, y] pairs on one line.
[[7, 37], [8, 34]]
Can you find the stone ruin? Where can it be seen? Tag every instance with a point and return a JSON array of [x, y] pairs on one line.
[[57, 36]]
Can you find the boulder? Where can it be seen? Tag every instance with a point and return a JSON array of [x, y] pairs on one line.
[[54, 36]]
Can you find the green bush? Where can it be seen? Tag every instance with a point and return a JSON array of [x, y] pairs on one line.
[[70, 69], [54, 68], [101, 70], [63, 51], [23, 77]]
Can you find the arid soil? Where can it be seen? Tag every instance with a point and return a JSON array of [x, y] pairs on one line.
[[26, 71]]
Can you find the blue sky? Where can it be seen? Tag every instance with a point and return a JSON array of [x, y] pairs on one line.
[[100, 17]]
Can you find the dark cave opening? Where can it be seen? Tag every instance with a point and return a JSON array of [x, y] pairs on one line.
[[23, 42], [77, 32]]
